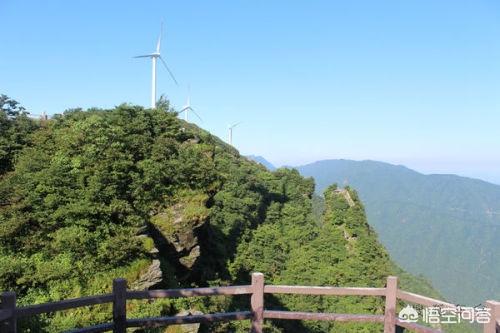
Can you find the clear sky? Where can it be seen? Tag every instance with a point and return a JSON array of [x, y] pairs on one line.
[[413, 82]]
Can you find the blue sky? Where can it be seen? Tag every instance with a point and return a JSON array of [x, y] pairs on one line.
[[407, 82]]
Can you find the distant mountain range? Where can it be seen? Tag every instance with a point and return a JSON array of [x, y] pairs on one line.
[[444, 227]]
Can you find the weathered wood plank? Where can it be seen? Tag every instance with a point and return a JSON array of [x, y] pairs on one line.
[[4, 314], [492, 326], [333, 291], [177, 320], [191, 292], [8, 304], [63, 305], [119, 306], [422, 300], [390, 305], [290, 315], [257, 303]]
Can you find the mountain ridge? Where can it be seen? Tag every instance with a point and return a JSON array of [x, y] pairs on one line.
[[402, 166], [261, 160], [455, 217]]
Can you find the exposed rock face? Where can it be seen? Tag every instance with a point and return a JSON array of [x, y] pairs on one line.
[[177, 225], [346, 195], [180, 229], [150, 278], [189, 260]]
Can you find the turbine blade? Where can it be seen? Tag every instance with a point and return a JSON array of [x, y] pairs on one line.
[[168, 69], [197, 115], [158, 44], [144, 56]]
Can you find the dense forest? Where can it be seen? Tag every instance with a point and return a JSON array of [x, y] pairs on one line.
[[88, 196]]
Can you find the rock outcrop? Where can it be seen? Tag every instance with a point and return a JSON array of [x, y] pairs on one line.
[[177, 226], [150, 278]]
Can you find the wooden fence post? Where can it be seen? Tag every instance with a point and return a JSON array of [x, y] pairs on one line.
[[257, 302], [9, 304], [491, 327], [120, 306], [390, 304]]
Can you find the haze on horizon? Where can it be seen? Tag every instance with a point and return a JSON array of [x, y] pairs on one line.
[[412, 83]]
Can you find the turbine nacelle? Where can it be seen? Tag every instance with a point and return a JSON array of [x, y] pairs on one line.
[[230, 134], [188, 108]]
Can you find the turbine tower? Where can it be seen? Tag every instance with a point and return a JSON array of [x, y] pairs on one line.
[[154, 57], [230, 136], [188, 107]]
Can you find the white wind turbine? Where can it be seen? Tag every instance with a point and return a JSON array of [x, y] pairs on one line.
[[230, 134], [188, 107], [42, 116], [154, 57]]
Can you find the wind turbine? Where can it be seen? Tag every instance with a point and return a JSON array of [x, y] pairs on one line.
[[230, 128], [154, 57], [188, 107], [42, 116]]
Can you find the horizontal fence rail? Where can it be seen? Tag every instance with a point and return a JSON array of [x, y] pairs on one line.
[[176, 320], [332, 291], [422, 300], [290, 315], [33, 310], [9, 312], [193, 292]]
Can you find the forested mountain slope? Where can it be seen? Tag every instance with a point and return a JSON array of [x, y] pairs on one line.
[[92, 195], [442, 226]]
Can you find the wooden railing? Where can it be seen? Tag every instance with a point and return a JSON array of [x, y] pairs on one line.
[[10, 313]]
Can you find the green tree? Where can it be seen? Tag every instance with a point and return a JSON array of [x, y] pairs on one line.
[[15, 127]]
